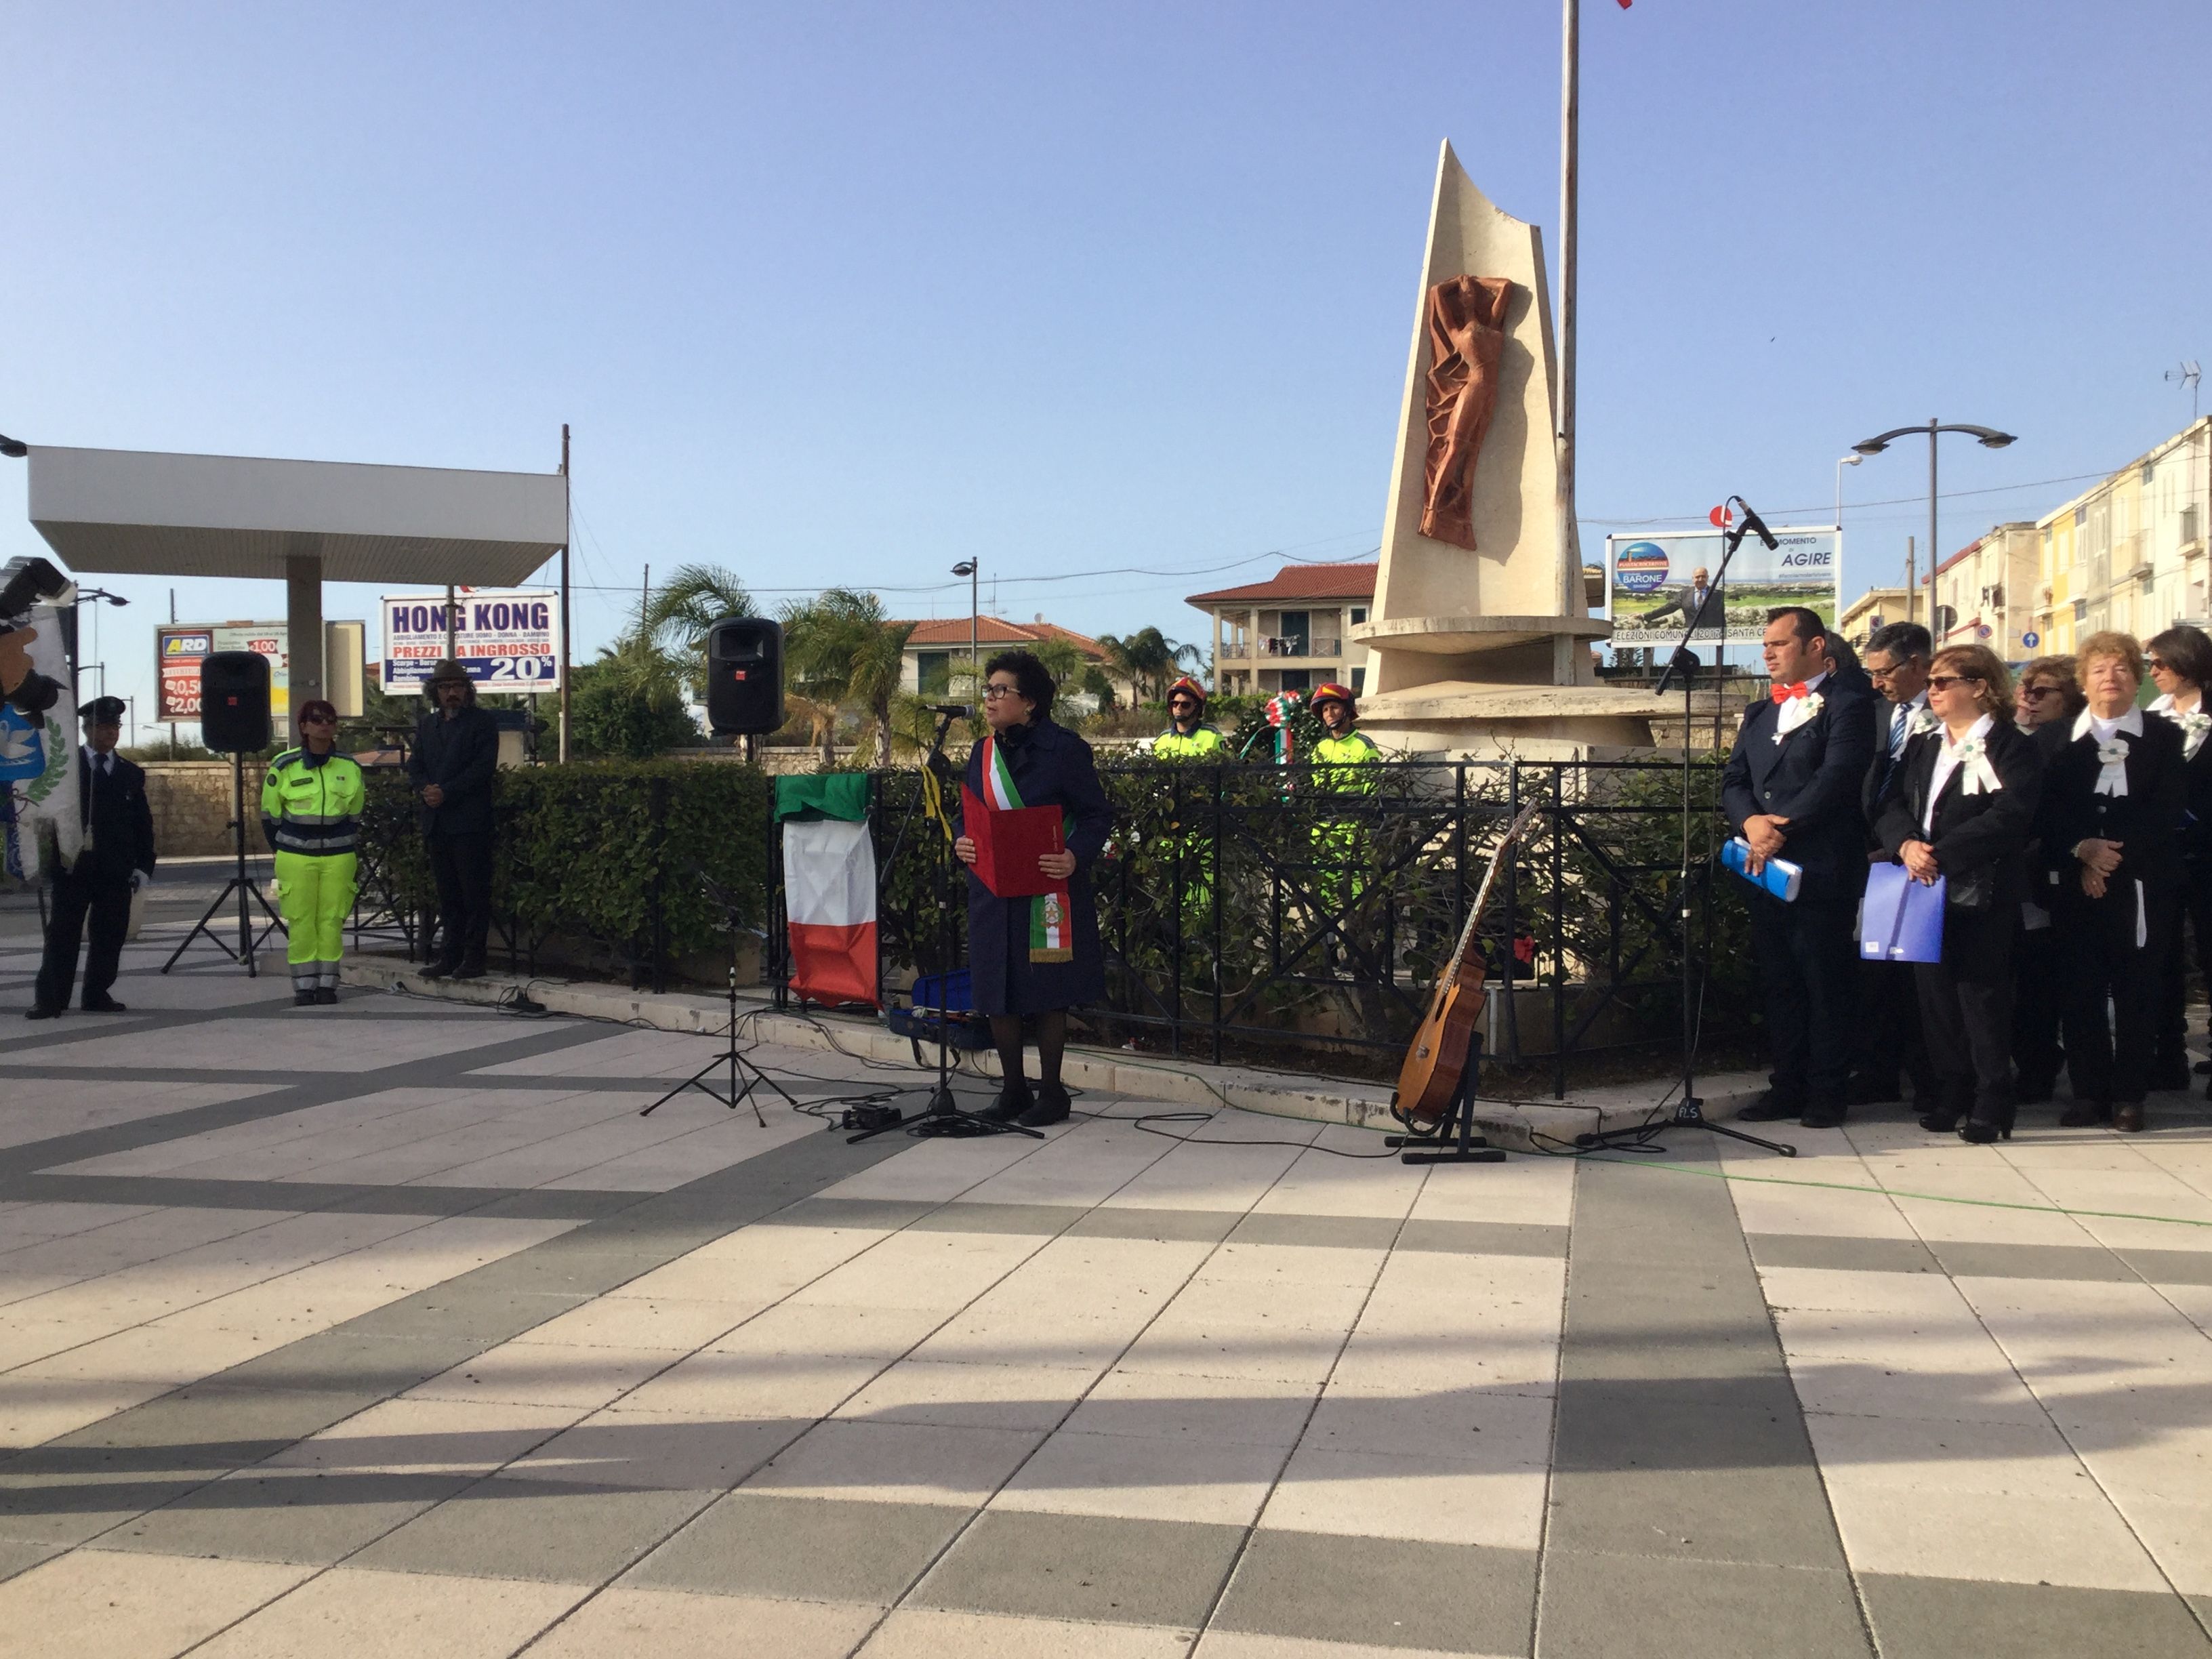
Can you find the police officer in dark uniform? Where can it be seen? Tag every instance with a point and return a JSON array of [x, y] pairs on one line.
[[118, 860]]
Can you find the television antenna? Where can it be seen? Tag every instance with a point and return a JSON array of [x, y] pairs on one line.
[[2188, 374]]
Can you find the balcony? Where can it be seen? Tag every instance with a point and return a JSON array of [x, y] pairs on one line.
[[1277, 650]]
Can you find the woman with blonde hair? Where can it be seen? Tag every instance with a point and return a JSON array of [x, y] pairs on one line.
[[2111, 846], [1964, 812]]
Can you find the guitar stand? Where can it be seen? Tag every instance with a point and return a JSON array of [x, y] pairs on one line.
[[1453, 1139]]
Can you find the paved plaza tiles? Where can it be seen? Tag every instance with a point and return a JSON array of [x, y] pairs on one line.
[[394, 1329]]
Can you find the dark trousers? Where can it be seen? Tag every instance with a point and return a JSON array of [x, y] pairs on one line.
[[107, 900], [2039, 1000], [2113, 985], [1888, 1034], [462, 865], [1807, 966], [1965, 1012], [2173, 992]]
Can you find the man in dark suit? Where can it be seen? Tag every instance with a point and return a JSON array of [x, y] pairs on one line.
[[1791, 790], [1888, 1038], [118, 859], [1693, 605], [455, 758]]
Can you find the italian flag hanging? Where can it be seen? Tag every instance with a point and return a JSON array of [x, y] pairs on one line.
[[828, 887]]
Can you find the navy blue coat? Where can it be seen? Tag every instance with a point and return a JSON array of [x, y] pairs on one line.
[[1051, 767], [1814, 778]]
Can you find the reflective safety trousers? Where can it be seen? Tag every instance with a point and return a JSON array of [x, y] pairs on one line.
[[314, 895]]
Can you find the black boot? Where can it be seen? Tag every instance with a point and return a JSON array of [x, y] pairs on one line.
[[438, 970], [1014, 1099], [1051, 1107], [471, 968], [304, 998], [1771, 1108]]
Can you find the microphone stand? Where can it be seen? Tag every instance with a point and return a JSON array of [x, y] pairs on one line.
[[1689, 1111], [731, 1056], [941, 1116]]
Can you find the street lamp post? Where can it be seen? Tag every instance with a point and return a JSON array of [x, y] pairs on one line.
[[1989, 437], [970, 569]]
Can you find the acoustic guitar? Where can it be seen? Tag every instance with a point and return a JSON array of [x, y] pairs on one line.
[[1429, 1081]]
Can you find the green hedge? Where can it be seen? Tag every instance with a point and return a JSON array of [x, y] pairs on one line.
[[583, 849]]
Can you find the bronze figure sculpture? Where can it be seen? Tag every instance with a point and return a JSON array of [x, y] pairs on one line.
[[1466, 336]]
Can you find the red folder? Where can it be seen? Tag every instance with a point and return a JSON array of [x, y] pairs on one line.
[[1009, 841]]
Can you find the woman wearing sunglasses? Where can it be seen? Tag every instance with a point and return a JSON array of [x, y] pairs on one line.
[[2112, 842], [311, 803], [1966, 812], [2181, 666]]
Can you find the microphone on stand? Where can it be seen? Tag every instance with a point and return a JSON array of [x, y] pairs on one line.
[[958, 711], [1755, 525]]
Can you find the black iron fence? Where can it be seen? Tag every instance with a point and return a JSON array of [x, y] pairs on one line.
[[1264, 913]]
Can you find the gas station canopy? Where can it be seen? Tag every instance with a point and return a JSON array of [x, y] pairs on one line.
[[137, 512]]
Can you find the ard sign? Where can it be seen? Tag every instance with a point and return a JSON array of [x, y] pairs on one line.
[[507, 639], [179, 649]]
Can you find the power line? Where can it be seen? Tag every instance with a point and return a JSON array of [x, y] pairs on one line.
[[1827, 507]]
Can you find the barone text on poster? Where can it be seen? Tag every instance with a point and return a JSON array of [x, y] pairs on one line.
[[507, 639]]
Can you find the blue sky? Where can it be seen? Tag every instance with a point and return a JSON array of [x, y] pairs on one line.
[[846, 292]]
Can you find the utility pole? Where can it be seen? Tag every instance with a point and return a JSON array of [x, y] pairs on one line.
[[1911, 587], [567, 535], [1571, 560]]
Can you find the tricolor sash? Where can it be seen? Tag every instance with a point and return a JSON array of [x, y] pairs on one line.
[[1052, 913]]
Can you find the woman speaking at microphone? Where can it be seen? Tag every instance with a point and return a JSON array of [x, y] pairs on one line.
[[1964, 812], [1034, 958]]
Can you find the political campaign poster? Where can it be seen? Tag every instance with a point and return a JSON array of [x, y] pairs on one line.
[[178, 648], [508, 639], [37, 744], [1655, 584]]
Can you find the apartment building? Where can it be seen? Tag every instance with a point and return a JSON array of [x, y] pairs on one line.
[[1985, 595], [1292, 632], [2129, 553], [1870, 610]]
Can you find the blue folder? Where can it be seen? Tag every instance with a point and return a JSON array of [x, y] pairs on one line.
[[1901, 920], [1780, 876]]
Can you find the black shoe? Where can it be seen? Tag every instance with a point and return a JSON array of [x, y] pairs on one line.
[[1771, 1108], [2202, 1068], [438, 970], [1014, 1099], [1051, 1107], [42, 1010], [305, 999], [469, 971], [327, 996], [103, 1004], [1823, 1117], [1939, 1123], [1872, 1091]]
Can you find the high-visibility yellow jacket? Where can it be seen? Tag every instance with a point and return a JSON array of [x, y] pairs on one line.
[[312, 808], [1337, 762], [1201, 742]]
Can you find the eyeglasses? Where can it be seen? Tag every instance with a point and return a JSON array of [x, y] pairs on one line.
[[2037, 693], [317, 719], [992, 693], [1945, 682], [2158, 665]]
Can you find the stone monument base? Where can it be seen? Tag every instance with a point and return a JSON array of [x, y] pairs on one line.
[[1469, 719]]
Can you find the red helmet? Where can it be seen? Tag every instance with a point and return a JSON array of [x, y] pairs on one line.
[[1330, 690], [1188, 687]]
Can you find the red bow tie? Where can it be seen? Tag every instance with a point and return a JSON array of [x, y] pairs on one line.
[[1783, 692]]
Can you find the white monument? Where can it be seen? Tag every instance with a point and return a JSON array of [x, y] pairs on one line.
[[1480, 645]]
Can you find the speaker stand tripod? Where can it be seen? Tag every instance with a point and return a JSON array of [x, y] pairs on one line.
[[248, 890], [731, 1056]]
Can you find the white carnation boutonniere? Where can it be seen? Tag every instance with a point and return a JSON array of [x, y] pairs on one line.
[[1798, 711], [2113, 777], [1979, 776], [2194, 725], [1923, 722]]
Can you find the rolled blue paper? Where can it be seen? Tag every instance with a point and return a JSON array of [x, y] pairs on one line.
[[1780, 876], [1901, 920]]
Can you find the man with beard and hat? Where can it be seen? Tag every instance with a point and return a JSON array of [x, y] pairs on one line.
[[116, 861], [455, 757]]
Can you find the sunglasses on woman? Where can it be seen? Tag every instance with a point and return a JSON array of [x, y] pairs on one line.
[[2037, 693], [1945, 682]]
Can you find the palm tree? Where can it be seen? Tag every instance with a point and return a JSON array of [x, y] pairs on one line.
[[1149, 659], [692, 601], [840, 648]]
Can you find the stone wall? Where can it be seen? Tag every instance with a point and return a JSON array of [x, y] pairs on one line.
[[191, 806]]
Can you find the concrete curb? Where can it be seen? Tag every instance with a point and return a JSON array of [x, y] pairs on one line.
[[1515, 1126]]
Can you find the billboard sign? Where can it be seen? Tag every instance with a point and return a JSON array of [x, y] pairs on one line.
[[1655, 584], [177, 649], [508, 639]]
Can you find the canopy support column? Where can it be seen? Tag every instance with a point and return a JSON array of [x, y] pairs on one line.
[[303, 620]]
